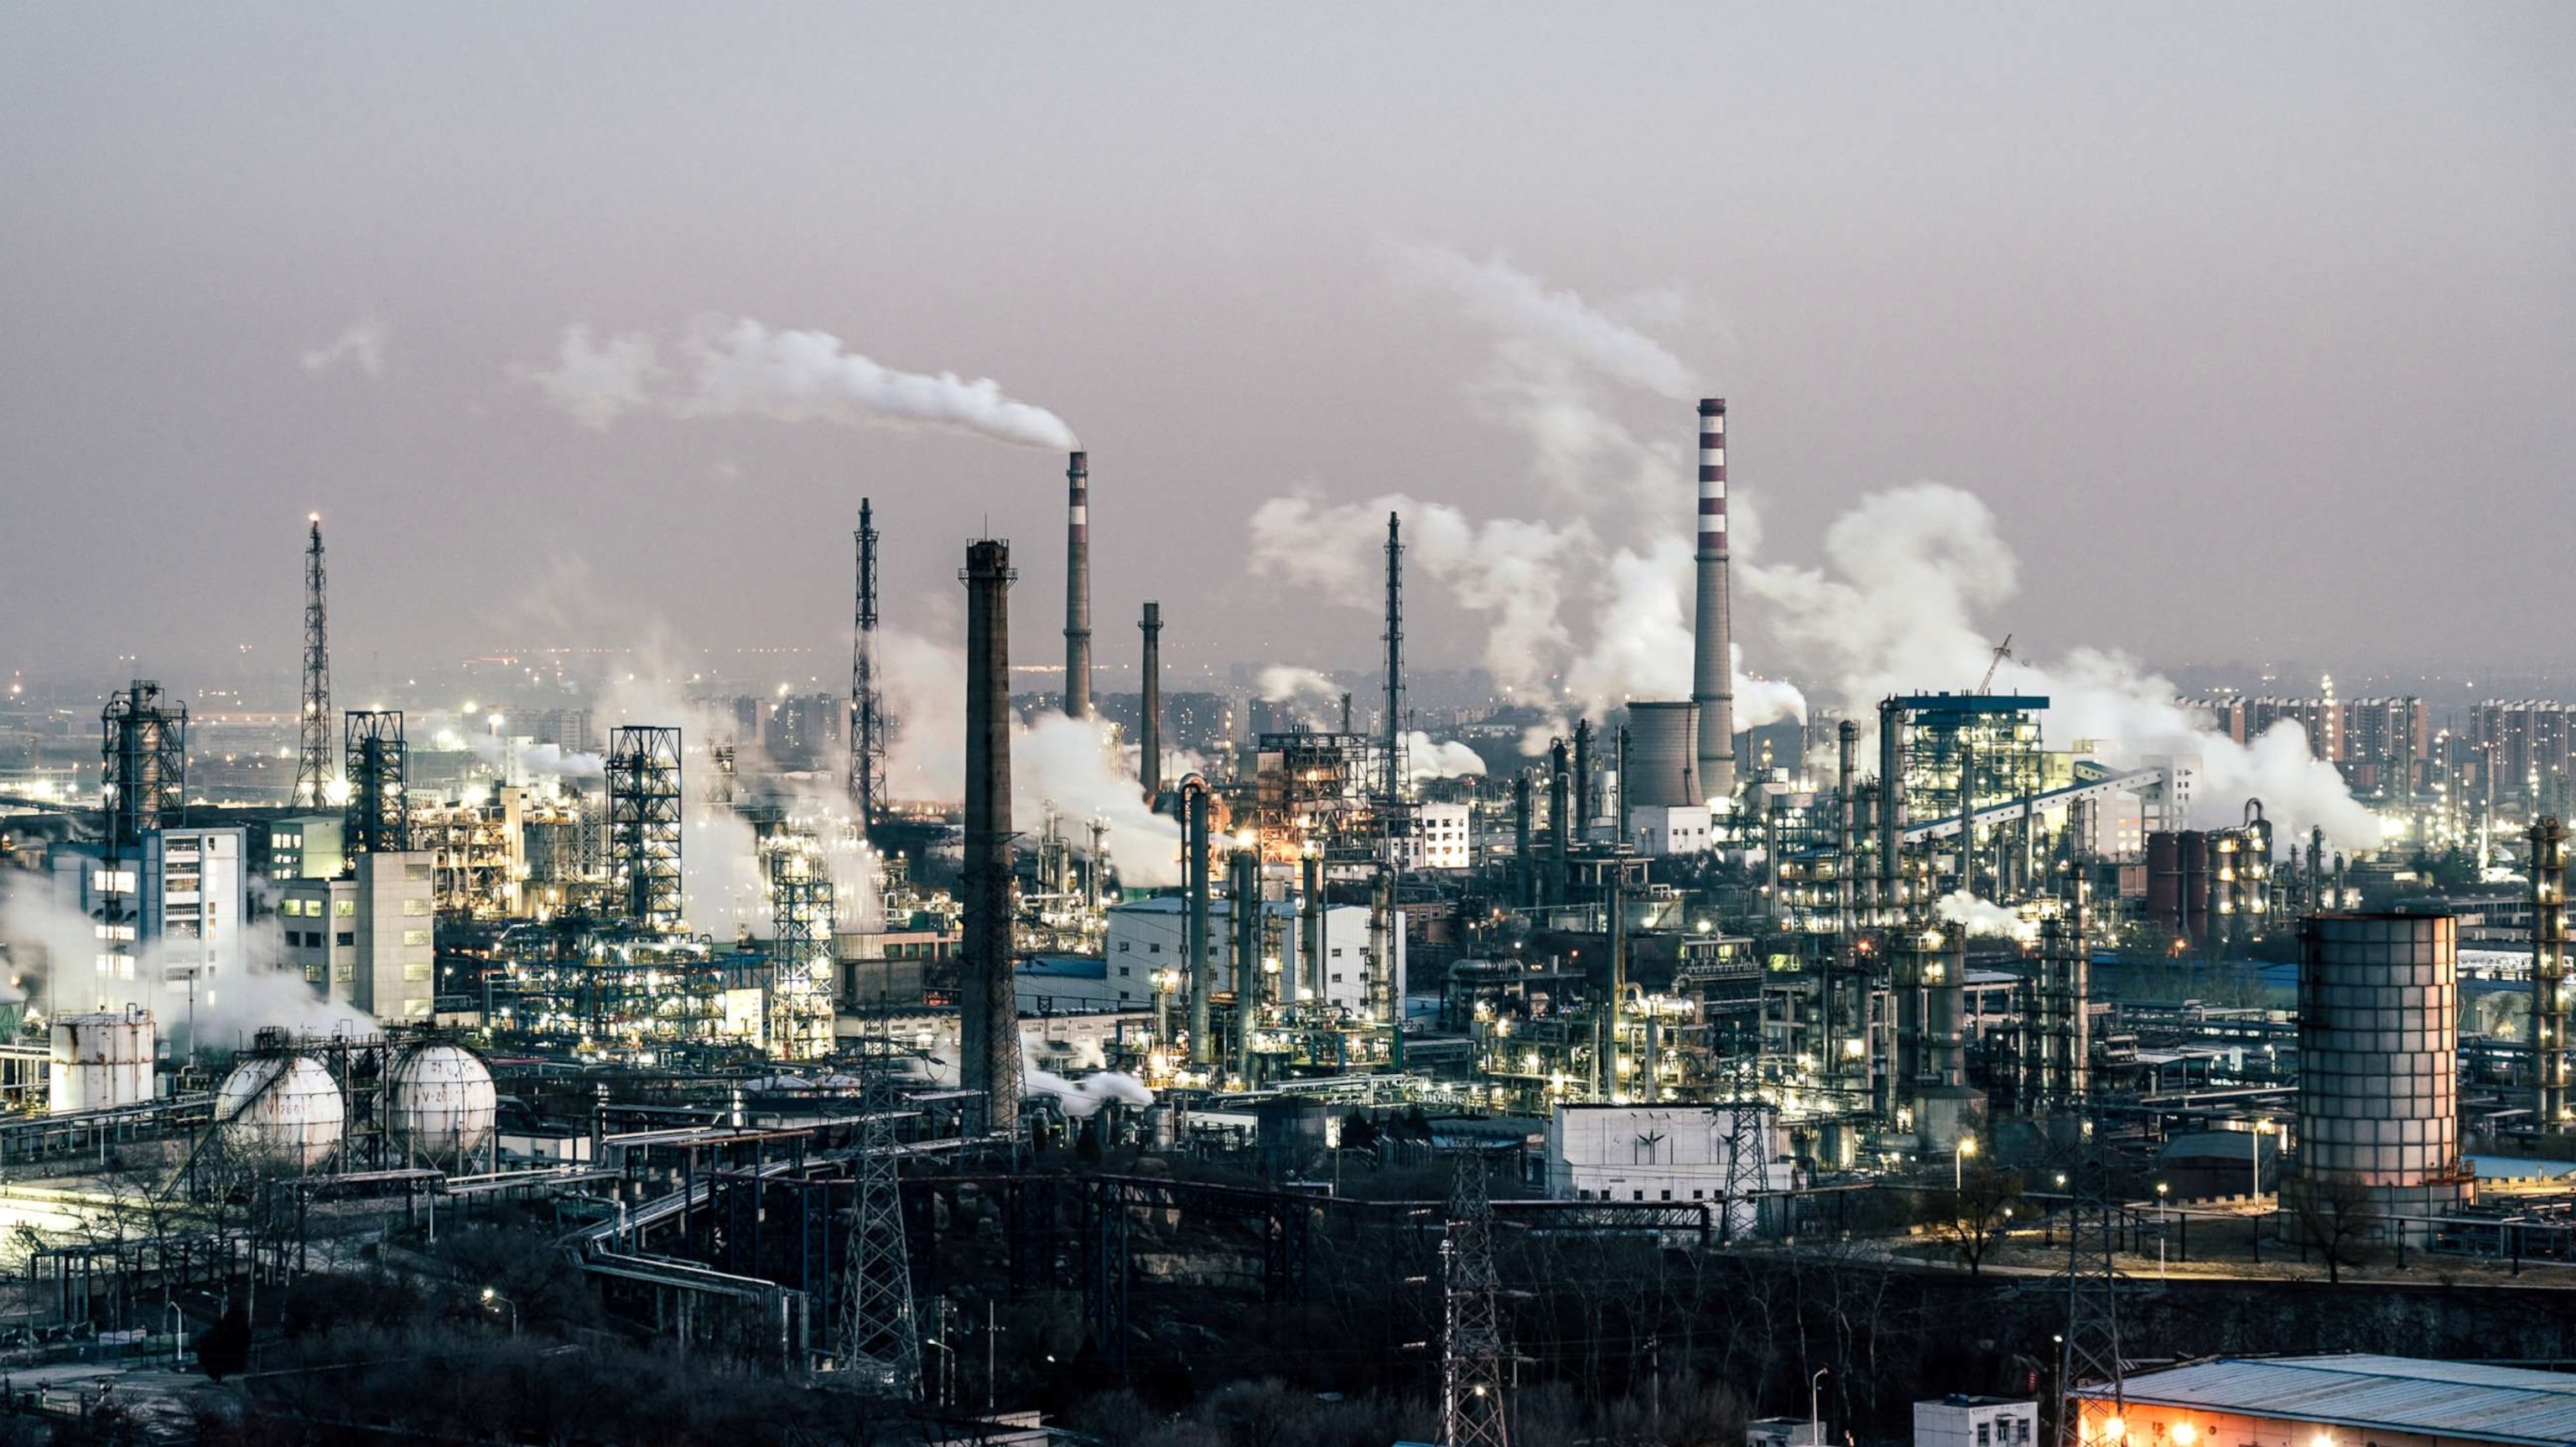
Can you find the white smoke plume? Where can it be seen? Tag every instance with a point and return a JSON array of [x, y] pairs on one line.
[[1911, 572], [361, 345], [1315, 697], [1449, 759], [743, 368], [1073, 764], [1984, 916], [1573, 622]]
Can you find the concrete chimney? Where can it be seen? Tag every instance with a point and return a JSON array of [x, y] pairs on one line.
[[988, 1015], [1077, 587], [1712, 667], [1149, 729]]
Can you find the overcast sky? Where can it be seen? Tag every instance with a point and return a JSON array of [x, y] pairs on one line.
[[2255, 325]]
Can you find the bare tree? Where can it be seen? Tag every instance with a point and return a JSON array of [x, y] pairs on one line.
[[1971, 1219], [2339, 1218]]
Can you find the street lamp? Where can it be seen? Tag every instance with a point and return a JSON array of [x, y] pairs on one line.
[[2260, 1126], [491, 1297], [1959, 1162], [1815, 1414]]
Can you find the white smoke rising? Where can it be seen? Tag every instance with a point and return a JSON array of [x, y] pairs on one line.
[[1984, 916], [1447, 759], [1282, 682], [743, 368], [1553, 321], [1910, 571], [1083, 1098], [1558, 373], [361, 345], [595, 384], [1074, 764]]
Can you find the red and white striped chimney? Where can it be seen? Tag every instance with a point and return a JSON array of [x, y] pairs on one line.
[[1712, 664]]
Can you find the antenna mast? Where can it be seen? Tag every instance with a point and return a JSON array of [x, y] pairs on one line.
[[313, 771]]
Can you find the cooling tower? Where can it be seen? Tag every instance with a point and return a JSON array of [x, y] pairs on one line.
[[1663, 755]]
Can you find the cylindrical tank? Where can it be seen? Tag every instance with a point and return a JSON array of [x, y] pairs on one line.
[[2379, 1056], [440, 1101], [281, 1111], [100, 1060], [1663, 755]]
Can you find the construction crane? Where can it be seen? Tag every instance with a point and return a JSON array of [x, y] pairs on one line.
[[2003, 651]]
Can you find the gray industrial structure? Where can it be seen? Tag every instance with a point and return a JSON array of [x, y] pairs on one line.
[[988, 1017]]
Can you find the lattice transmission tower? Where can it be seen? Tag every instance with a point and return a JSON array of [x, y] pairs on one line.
[[1748, 1144], [313, 760], [1471, 1369], [2089, 1351], [878, 1344], [868, 721]]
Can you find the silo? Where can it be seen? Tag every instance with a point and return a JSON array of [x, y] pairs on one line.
[[2379, 1058], [440, 1102], [100, 1060], [281, 1112], [1663, 755]]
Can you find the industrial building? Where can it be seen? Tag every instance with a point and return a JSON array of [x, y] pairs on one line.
[[2384, 1400]]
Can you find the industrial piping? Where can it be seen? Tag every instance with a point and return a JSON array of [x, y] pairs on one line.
[[1077, 587], [1149, 729], [1712, 664], [988, 1016]]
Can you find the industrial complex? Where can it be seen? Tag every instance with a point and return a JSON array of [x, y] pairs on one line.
[[785, 1067]]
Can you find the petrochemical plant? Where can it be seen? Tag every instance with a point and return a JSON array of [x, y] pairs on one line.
[[793, 1070]]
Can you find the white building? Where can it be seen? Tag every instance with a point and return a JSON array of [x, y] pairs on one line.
[[366, 940], [1152, 934], [1443, 838], [166, 920], [2168, 807], [1654, 1153], [1669, 828], [1964, 1421]]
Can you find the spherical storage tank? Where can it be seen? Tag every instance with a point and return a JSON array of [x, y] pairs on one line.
[[440, 1101], [282, 1111], [100, 1060], [2379, 1048]]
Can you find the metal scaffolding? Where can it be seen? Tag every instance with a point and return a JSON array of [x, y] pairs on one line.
[[868, 721], [2550, 988], [801, 911], [313, 759], [644, 824], [143, 758], [376, 764]]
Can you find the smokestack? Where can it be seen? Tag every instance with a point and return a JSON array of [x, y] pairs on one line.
[[1194, 797], [1583, 811], [1077, 587], [1243, 904], [1558, 884], [1311, 927], [988, 1016], [1712, 667], [1149, 733], [1394, 664]]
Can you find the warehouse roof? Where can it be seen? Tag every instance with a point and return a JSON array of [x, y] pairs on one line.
[[2398, 1394]]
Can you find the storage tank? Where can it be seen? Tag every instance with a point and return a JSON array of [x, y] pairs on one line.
[[2379, 1057], [282, 1111], [100, 1060], [440, 1101], [1662, 763]]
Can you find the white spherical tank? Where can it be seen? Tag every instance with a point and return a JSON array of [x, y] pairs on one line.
[[282, 1111], [440, 1101], [100, 1060]]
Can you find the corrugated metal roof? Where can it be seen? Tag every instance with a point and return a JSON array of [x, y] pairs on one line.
[[2398, 1394]]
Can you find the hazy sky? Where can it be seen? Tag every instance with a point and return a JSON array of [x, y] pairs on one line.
[[2255, 325]]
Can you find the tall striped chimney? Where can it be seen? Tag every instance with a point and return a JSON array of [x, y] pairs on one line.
[[1077, 587], [1712, 666]]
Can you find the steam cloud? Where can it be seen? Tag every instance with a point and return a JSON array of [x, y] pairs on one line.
[[742, 368], [1984, 916], [1572, 619], [362, 345], [1911, 570]]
